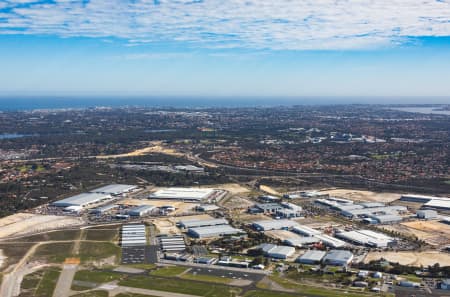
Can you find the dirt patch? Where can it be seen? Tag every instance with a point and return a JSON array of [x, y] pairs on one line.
[[181, 207], [281, 234], [269, 190], [411, 258], [154, 147], [25, 223], [357, 195]]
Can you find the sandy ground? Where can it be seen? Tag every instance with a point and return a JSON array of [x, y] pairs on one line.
[[412, 258], [357, 195], [2, 258], [433, 232], [281, 234], [154, 147], [233, 188], [238, 202], [269, 190], [168, 225], [181, 207], [25, 223]]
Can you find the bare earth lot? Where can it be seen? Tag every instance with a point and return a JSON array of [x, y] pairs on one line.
[[25, 223], [412, 258], [357, 195]]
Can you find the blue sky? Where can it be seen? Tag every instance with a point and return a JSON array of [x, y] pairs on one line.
[[225, 48]]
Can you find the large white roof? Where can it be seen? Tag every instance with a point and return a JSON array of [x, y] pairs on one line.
[[182, 193], [114, 189], [274, 224], [82, 199]]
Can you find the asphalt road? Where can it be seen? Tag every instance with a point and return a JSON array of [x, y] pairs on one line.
[[245, 275], [65, 280]]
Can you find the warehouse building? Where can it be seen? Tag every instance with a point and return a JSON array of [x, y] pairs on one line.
[[213, 231], [305, 230], [276, 251], [338, 258], [266, 225], [103, 209], [201, 223], [115, 189], [366, 238], [84, 200], [207, 207], [172, 244], [133, 235], [427, 214], [311, 257], [331, 241], [419, 198], [438, 203], [141, 211], [386, 219], [268, 208], [367, 212], [185, 194], [300, 242]]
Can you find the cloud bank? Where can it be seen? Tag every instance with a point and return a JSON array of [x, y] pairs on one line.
[[253, 24]]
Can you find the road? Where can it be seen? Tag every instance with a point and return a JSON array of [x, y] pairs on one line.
[[65, 280]]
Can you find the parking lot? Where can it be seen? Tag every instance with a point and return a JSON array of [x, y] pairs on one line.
[[139, 254]]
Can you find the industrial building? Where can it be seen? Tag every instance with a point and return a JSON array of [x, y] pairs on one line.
[[367, 212], [330, 241], [142, 210], [420, 198], [277, 251], [83, 200], [172, 244], [186, 194], [268, 208], [201, 223], [311, 257], [266, 225], [366, 238], [213, 231], [385, 219], [427, 214], [305, 231], [300, 242], [115, 189], [338, 258], [133, 235], [207, 207], [438, 203], [103, 209]]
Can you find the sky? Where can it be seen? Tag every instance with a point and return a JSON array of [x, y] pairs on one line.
[[387, 48]]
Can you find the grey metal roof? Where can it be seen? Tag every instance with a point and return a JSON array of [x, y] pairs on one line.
[[274, 224], [114, 189], [213, 231], [82, 199], [338, 256], [202, 223], [312, 255]]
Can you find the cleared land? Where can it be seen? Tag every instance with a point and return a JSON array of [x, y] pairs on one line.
[[25, 223], [411, 258], [357, 195], [181, 207]]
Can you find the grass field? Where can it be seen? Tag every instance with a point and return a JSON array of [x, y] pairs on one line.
[[14, 251], [47, 283], [51, 236], [97, 276], [206, 278], [97, 293], [168, 271], [54, 252], [179, 286], [311, 291], [102, 235], [92, 251]]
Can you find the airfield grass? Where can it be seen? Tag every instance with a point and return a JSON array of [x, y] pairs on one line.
[[51, 236], [92, 251], [97, 276], [47, 284], [96, 293], [310, 290], [133, 295], [102, 235], [179, 286], [206, 278], [168, 271], [56, 252], [14, 251]]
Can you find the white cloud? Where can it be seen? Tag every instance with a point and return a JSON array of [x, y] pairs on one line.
[[256, 24]]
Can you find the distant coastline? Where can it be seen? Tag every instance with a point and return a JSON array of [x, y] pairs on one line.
[[33, 103]]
